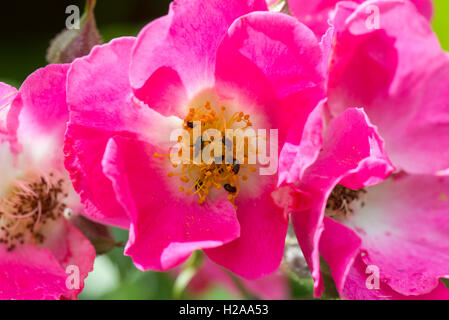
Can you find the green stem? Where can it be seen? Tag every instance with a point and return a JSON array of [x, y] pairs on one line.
[[90, 5], [191, 268]]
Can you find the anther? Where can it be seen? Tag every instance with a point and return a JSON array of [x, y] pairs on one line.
[[224, 171], [230, 188]]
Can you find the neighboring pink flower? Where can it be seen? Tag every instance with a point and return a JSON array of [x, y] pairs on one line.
[[126, 98], [349, 207], [39, 248], [402, 87], [272, 287], [317, 13], [7, 95]]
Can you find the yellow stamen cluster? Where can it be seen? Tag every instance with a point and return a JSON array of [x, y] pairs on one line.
[[201, 178]]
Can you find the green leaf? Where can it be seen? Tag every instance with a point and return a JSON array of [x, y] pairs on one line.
[[330, 289], [441, 22]]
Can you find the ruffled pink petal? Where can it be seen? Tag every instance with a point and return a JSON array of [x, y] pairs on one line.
[[314, 13], [178, 51], [39, 114], [410, 259], [343, 10], [167, 225], [272, 287], [84, 149], [29, 273], [350, 143], [7, 95], [161, 86], [339, 247], [308, 228], [296, 158], [72, 249], [273, 61], [401, 87], [101, 105], [263, 229], [317, 13], [98, 90], [356, 287]]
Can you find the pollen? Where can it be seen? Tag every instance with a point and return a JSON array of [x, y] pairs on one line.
[[222, 173], [343, 202], [28, 207]]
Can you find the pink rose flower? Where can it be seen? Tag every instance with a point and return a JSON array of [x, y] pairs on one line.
[[42, 255], [317, 13], [383, 235], [7, 95], [126, 97]]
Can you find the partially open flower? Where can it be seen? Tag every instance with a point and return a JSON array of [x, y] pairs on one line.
[[42, 256]]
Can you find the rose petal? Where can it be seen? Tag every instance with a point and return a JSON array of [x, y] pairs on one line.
[[349, 143], [39, 114], [7, 95], [29, 273], [356, 287], [72, 249], [101, 105], [317, 13], [183, 44], [401, 87], [263, 229], [280, 58], [411, 259], [167, 225]]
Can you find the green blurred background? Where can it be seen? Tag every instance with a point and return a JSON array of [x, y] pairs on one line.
[[26, 32], [27, 28]]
